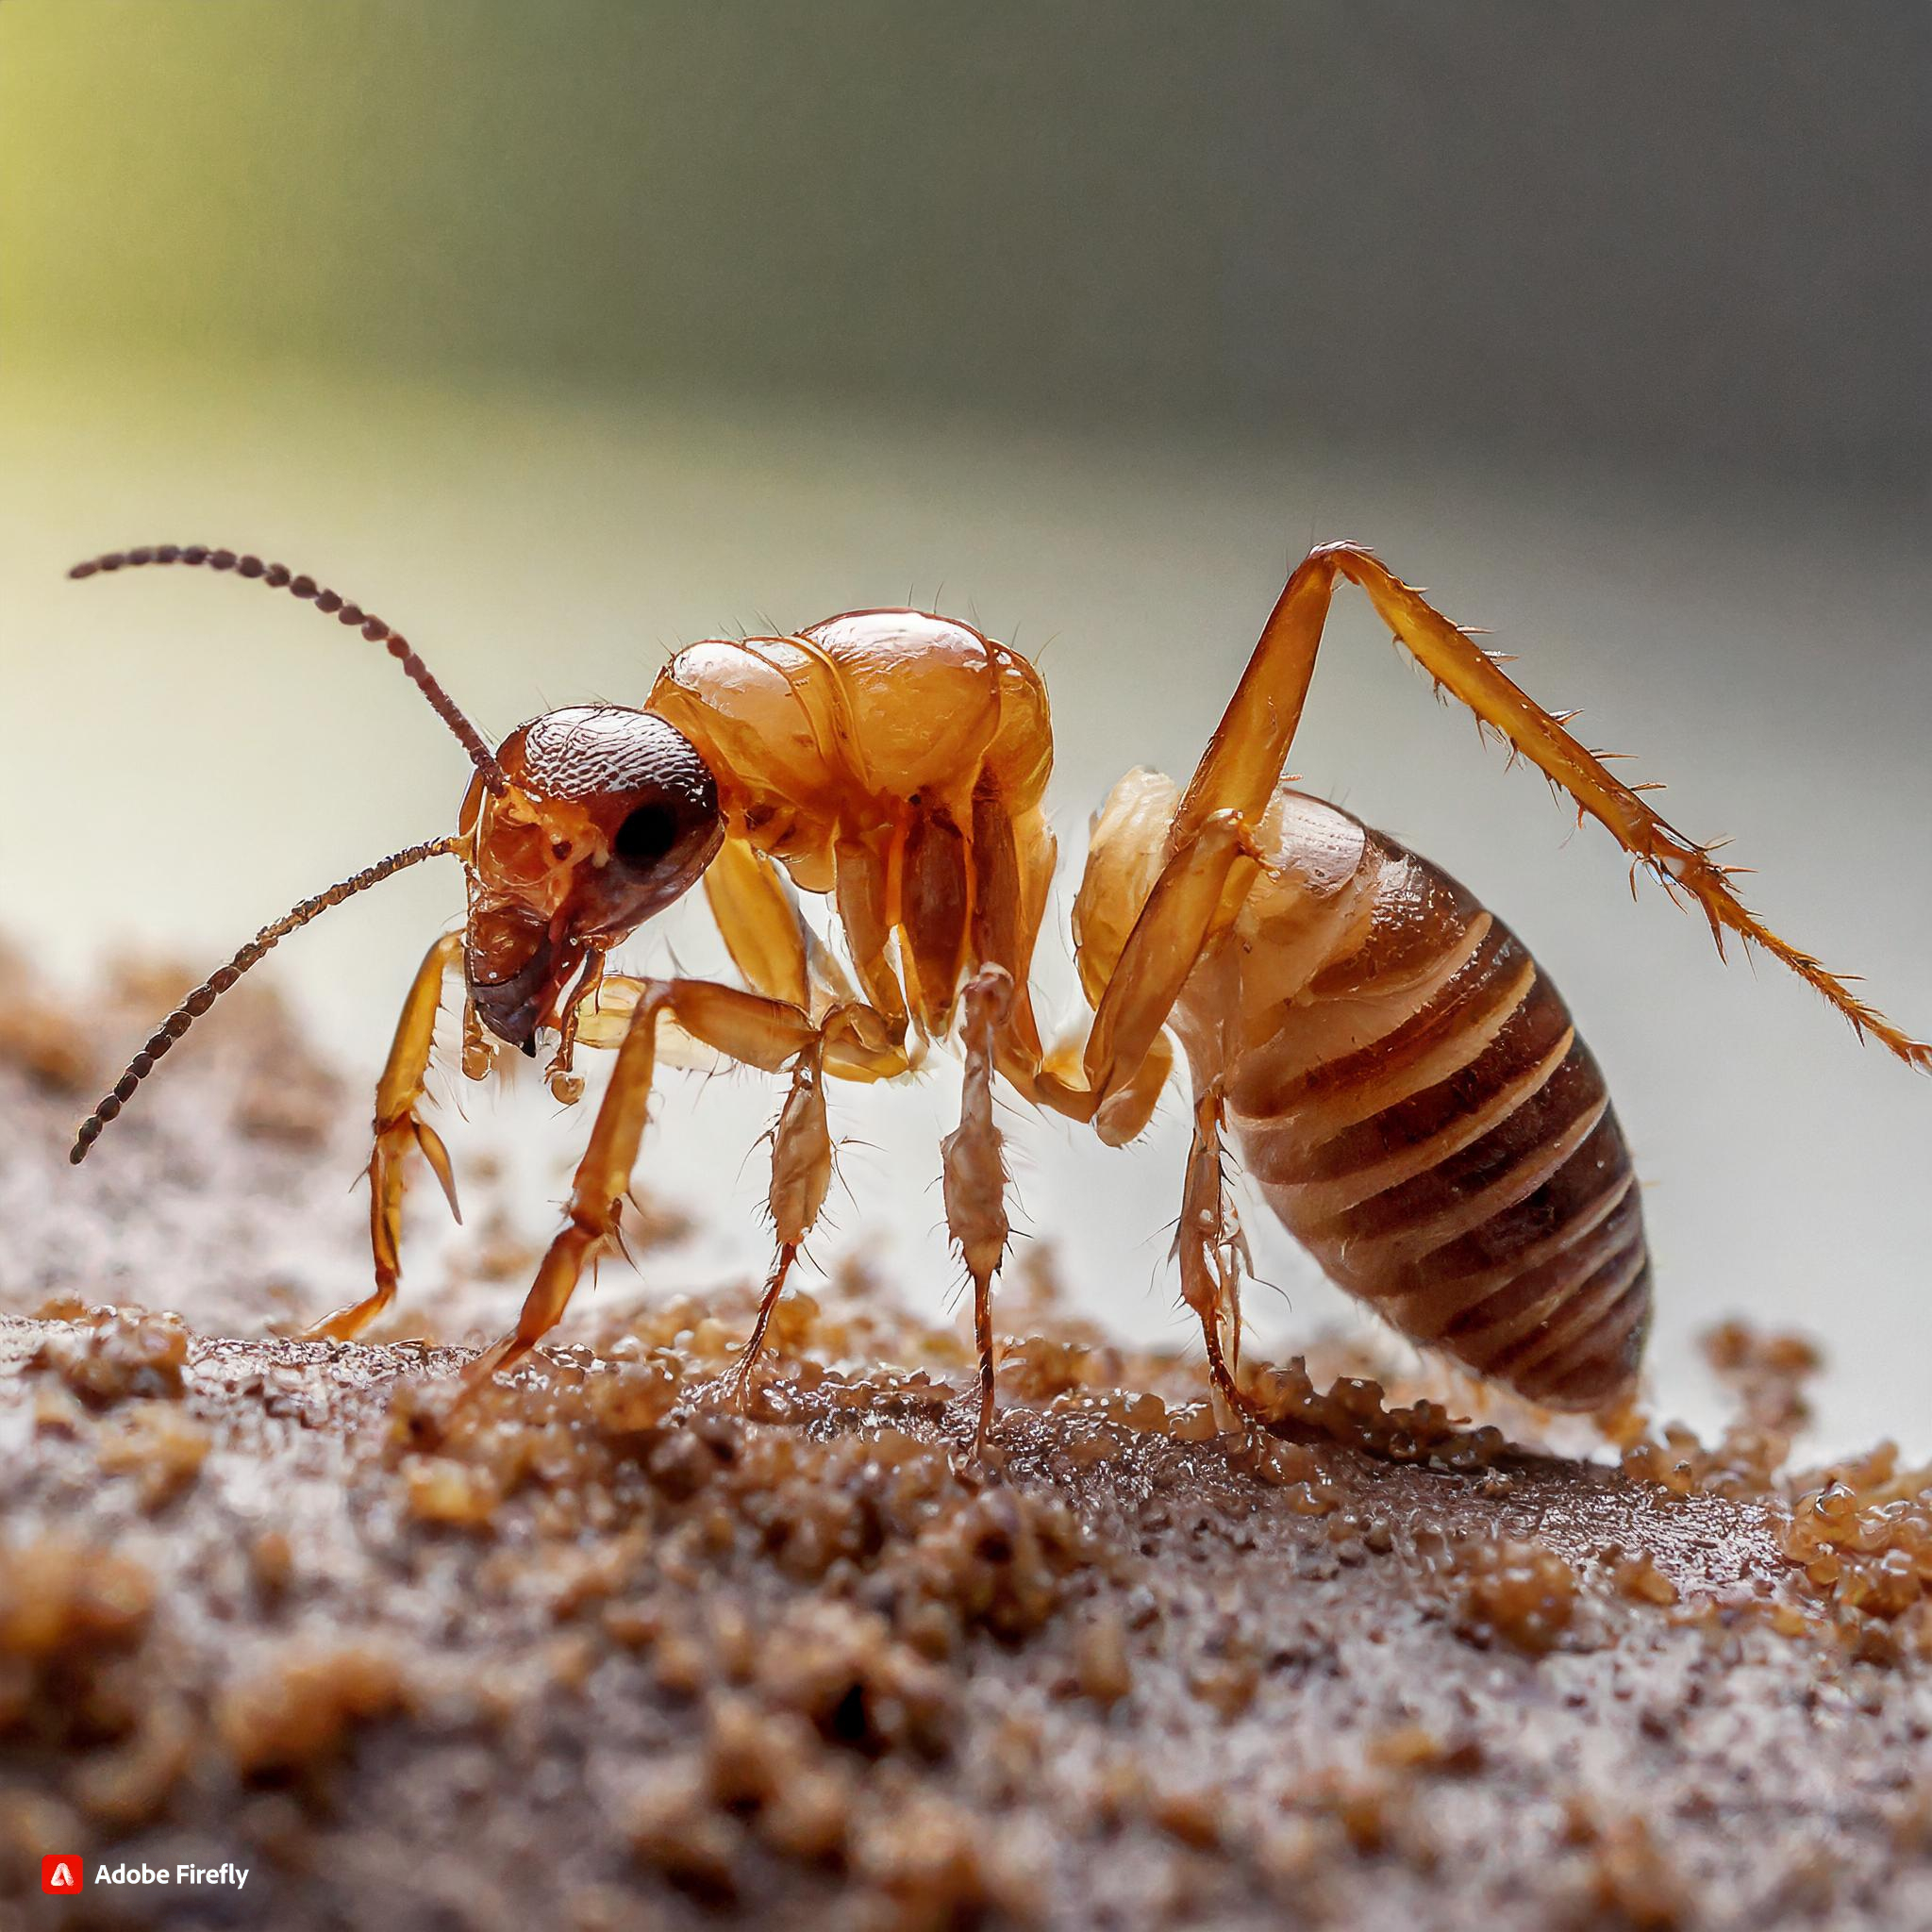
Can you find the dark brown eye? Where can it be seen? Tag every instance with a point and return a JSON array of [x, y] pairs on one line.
[[646, 835], [650, 800]]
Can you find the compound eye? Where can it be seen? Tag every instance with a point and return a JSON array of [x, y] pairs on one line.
[[647, 834], [664, 827], [663, 835], [644, 786]]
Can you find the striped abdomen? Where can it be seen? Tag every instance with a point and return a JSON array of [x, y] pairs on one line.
[[1412, 1098]]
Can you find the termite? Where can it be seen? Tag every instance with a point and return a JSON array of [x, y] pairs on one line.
[[1404, 1085]]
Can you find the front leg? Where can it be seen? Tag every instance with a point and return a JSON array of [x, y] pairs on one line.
[[398, 1129], [596, 1195], [565, 1083]]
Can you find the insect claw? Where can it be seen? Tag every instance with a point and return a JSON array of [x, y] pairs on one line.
[[437, 1154], [622, 1247]]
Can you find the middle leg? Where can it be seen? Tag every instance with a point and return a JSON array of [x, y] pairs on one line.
[[748, 1027], [975, 1170], [801, 1179]]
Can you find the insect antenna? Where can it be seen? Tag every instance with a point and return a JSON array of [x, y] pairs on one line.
[[217, 983], [277, 576]]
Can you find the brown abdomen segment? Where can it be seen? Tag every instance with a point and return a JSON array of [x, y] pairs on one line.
[[1424, 1120]]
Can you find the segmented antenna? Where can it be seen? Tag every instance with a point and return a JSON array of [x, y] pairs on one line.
[[277, 576], [217, 983]]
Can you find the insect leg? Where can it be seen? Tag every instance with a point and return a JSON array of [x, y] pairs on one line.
[[757, 911], [975, 1170], [1116, 1078], [854, 1041], [1188, 900], [1244, 760], [801, 1179], [762, 932], [602, 1179], [757, 914], [1211, 1250], [865, 906], [745, 1026], [398, 1129], [1012, 875]]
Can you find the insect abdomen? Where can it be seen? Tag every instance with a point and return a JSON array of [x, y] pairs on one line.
[[1424, 1117]]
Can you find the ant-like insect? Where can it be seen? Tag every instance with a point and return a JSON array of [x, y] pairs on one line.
[[1404, 1084]]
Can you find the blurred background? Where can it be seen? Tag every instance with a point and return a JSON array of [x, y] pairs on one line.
[[563, 335]]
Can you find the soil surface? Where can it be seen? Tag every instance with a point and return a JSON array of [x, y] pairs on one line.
[[597, 1651]]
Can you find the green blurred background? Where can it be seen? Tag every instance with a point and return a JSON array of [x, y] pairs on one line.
[[564, 333]]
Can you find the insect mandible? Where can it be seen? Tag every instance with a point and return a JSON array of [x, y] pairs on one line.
[[1404, 1085]]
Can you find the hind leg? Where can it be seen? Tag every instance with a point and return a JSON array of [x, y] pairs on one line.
[[1212, 1252], [1244, 760]]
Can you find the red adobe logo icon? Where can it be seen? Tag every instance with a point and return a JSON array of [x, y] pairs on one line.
[[58, 1874]]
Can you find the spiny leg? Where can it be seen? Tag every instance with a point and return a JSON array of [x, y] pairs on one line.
[[1244, 761], [975, 1172], [769, 941], [801, 1179], [1212, 1252], [1199, 886], [399, 1129], [744, 1027]]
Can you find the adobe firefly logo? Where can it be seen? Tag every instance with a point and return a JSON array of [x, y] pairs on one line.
[[60, 1875]]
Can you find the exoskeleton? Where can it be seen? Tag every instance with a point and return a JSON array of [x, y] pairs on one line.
[[1404, 1084]]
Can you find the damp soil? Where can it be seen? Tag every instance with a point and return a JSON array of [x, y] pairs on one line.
[[597, 1651]]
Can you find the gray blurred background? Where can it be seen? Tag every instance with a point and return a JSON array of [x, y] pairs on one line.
[[564, 334]]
